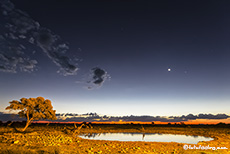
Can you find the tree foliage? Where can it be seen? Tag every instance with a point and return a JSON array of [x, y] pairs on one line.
[[33, 109]]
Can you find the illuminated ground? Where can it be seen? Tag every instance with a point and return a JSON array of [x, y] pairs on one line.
[[55, 139]]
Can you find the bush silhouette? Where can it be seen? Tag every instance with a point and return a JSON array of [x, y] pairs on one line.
[[33, 109]]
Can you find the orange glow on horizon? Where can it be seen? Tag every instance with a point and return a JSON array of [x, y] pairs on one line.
[[190, 122]]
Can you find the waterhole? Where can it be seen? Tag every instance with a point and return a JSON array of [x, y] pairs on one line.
[[147, 137]]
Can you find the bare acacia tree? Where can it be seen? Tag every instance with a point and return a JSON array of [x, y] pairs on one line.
[[33, 109]]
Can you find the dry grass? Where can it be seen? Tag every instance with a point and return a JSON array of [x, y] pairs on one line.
[[42, 139]]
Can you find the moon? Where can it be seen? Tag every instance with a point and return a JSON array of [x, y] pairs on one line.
[[169, 69]]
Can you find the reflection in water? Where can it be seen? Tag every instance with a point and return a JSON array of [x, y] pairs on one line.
[[143, 137], [148, 137]]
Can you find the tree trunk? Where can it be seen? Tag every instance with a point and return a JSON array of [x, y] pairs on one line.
[[27, 124]]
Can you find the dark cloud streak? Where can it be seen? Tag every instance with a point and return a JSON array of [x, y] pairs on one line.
[[95, 117], [50, 45], [97, 77]]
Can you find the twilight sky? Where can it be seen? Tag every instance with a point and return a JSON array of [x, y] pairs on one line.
[[117, 57]]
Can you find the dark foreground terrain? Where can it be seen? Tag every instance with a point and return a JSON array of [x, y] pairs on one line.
[[62, 138]]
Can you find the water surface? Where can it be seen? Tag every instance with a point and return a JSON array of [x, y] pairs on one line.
[[148, 137]]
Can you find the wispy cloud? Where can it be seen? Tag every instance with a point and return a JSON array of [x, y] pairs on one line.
[[13, 57], [18, 30]]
